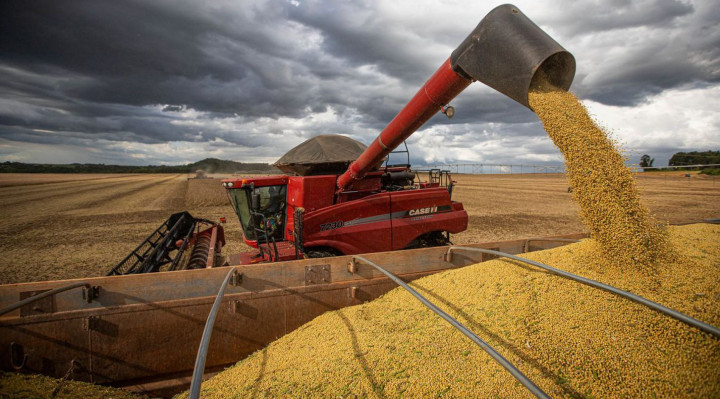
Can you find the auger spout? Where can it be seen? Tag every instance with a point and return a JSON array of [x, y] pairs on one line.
[[506, 51]]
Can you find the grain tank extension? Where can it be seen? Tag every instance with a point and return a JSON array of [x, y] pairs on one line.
[[343, 204]]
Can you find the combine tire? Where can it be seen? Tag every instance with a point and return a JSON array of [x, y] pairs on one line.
[[431, 239], [320, 253]]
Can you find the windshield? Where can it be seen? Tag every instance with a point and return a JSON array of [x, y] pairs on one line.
[[270, 215], [241, 202]]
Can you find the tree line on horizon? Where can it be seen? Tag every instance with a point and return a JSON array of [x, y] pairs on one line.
[[686, 159], [209, 165]]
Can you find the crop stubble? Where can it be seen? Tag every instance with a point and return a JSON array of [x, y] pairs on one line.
[[82, 228]]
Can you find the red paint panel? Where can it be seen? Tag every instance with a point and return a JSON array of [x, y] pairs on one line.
[[447, 217], [311, 192], [334, 227]]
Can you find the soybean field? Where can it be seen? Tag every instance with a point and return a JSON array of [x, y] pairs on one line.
[[60, 226]]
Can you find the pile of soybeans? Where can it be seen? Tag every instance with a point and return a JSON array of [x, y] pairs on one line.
[[570, 339]]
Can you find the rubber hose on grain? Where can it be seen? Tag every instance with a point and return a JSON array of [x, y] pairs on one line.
[[37, 297], [473, 337], [596, 284], [199, 368]]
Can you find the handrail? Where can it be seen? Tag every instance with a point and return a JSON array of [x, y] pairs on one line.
[[596, 284], [205, 341], [46, 294], [473, 337]]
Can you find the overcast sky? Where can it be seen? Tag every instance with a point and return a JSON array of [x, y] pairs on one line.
[[170, 82]]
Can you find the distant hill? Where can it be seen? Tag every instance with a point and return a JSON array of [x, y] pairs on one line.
[[214, 165], [209, 165]]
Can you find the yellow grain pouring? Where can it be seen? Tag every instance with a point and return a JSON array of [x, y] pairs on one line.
[[570, 339], [602, 185]]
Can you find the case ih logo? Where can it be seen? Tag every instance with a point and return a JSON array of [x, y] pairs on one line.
[[423, 211]]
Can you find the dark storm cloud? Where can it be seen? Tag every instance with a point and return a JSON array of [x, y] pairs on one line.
[[357, 33], [140, 53], [267, 75], [666, 44], [582, 18]]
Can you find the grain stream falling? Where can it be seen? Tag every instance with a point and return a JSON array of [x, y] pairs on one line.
[[602, 185], [570, 339]]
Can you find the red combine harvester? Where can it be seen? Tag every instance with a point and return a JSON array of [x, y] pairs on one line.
[[337, 200], [288, 217]]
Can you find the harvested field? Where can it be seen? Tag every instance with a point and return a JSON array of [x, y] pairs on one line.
[[55, 228], [570, 339], [25, 179], [505, 207], [83, 227]]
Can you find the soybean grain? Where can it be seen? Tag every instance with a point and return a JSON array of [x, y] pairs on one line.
[[602, 185], [570, 339]]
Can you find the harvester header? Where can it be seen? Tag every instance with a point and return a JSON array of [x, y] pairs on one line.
[[506, 51]]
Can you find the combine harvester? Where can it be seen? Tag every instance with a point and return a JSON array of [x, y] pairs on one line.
[[323, 207], [140, 329]]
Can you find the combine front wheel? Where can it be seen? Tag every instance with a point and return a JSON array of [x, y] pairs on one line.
[[431, 239], [321, 253]]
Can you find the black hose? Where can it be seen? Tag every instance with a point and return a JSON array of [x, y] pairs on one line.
[[205, 341], [473, 337], [596, 284], [42, 295]]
